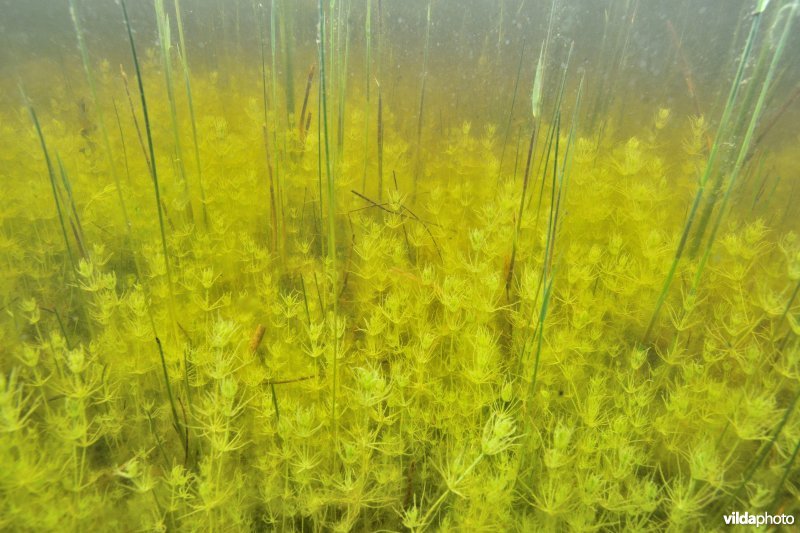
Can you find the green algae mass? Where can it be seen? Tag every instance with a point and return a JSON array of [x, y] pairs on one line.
[[300, 266]]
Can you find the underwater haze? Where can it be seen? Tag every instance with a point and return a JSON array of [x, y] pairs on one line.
[[389, 265]]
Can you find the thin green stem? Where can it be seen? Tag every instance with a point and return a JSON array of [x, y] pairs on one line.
[[51, 174], [153, 166], [423, 84], [723, 127], [162, 22], [367, 66], [745, 144], [100, 118], [331, 218], [188, 84], [511, 112]]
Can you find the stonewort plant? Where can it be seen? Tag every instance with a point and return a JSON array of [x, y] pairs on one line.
[[218, 314]]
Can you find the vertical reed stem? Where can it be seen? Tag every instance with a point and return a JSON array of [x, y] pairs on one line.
[[331, 220], [188, 84], [153, 167]]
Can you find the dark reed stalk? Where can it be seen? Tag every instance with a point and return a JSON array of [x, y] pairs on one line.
[[331, 196], [380, 101], [307, 126], [260, 20], [61, 328], [153, 168], [188, 368], [380, 144], [164, 37], [544, 165], [175, 420], [401, 213], [774, 119], [722, 128], [320, 195], [555, 129], [273, 32], [405, 231], [516, 155], [305, 299], [367, 65], [760, 191], [753, 170], [156, 436], [551, 218], [348, 260], [762, 453], [743, 151], [255, 342], [538, 334], [343, 50], [122, 141], [273, 209], [418, 166], [51, 175], [559, 185], [566, 165], [273, 47], [182, 54], [274, 216], [525, 176], [273, 24], [511, 113], [100, 117], [136, 120], [75, 221], [301, 128], [736, 132], [560, 182], [536, 108], [544, 161], [286, 34]]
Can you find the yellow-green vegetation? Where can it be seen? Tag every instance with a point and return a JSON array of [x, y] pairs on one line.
[[229, 304]]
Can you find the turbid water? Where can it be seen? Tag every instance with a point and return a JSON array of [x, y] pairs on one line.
[[364, 265]]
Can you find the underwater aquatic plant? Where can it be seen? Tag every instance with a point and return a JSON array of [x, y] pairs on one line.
[[602, 335]]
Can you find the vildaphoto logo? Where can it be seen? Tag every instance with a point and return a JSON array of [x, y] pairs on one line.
[[764, 519]]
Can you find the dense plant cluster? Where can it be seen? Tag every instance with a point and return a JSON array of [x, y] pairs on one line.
[[413, 379]]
